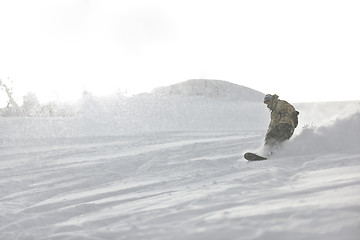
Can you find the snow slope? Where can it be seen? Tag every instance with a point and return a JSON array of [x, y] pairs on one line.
[[78, 179], [199, 105]]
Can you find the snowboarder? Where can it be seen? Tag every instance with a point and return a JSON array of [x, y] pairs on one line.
[[284, 120]]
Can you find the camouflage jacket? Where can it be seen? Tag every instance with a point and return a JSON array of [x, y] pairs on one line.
[[282, 112]]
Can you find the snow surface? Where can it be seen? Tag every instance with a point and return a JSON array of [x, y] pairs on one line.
[[172, 168]]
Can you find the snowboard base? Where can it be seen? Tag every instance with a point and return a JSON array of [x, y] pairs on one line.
[[253, 157]]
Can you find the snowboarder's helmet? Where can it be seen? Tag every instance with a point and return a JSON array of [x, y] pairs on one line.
[[268, 98]]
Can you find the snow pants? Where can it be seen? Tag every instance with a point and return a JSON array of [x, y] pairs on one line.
[[279, 133]]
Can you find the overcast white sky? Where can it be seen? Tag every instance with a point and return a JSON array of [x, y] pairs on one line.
[[301, 50]]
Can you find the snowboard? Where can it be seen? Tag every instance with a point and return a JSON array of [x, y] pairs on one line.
[[253, 157]]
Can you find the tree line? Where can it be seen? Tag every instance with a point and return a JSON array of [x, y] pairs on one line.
[[31, 106]]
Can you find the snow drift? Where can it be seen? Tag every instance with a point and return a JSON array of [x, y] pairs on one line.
[[342, 135]]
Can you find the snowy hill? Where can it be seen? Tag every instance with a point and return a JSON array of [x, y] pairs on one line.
[[194, 105], [163, 166], [211, 89]]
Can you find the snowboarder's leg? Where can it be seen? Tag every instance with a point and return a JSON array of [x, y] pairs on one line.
[[280, 133], [277, 135]]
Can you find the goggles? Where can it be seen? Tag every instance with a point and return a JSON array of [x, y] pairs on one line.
[[268, 98]]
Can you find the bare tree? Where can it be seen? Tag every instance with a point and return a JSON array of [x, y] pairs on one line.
[[9, 92], [12, 108]]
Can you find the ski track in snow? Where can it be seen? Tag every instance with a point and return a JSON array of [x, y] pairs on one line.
[[174, 185]]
